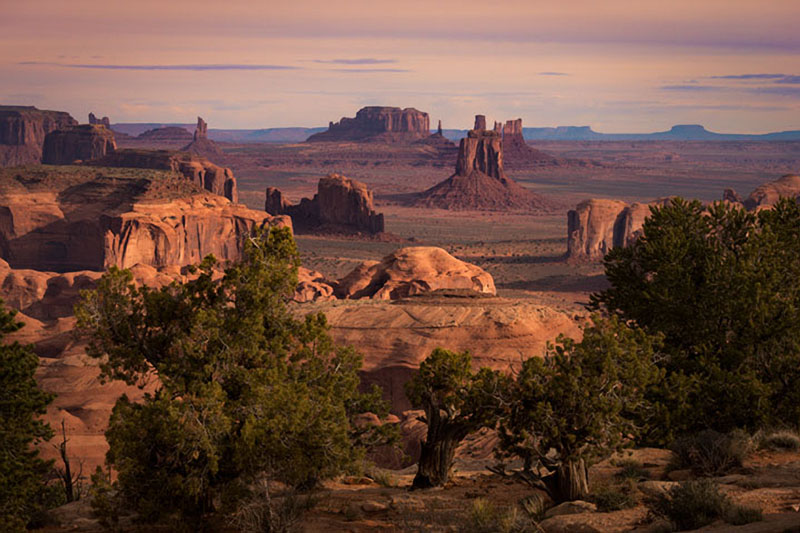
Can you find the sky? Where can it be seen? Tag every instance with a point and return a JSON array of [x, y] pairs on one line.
[[616, 65]]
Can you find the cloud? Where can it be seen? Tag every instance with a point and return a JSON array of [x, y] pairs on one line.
[[749, 77], [553, 74], [368, 70], [357, 61], [792, 80], [697, 88], [198, 67]]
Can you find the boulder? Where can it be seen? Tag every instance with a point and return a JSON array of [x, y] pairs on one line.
[[313, 286], [341, 205], [480, 182], [195, 168], [413, 271], [22, 133], [378, 124], [78, 143], [573, 507], [768, 194]]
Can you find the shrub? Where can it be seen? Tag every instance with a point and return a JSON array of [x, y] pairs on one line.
[[484, 517], [613, 498], [739, 515], [631, 469], [711, 453], [780, 440], [691, 504]]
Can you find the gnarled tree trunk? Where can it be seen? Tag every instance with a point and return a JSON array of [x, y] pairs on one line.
[[438, 451], [572, 481]]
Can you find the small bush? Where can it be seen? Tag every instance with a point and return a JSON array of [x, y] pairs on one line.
[[631, 469], [739, 515], [691, 504], [382, 478], [710, 453], [484, 517], [781, 440], [613, 498]]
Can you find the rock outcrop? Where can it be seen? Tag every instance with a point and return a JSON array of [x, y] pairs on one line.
[[769, 193], [77, 144], [341, 205], [196, 169], [412, 271], [480, 181], [167, 133], [105, 121], [518, 154], [64, 219], [201, 145], [22, 133], [378, 124], [596, 226]]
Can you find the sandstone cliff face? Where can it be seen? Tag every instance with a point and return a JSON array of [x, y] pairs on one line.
[[90, 222], [480, 181], [768, 194], [382, 124], [340, 205], [78, 143], [22, 133], [596, 226], [196, 169], [412, 271]]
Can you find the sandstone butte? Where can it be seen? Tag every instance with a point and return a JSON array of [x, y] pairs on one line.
[[378, 124], [22, 132], [76, 144], [201, 145], [198, 170], [79, 218], [480, 181], [105, 121], [341, 205], [516, 152], [596, 226]]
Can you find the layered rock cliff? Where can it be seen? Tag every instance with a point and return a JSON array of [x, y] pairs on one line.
[[23, 130], [480, 181], [341, 205], [380, 124], [76, 218], [196, 169], [77, 144]]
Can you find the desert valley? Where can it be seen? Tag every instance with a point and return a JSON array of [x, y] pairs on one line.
[[397, 323]]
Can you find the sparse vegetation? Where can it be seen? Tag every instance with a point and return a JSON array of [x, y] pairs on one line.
[[485, 517], [632, 470], [614, 497], [710, 453], [783, 440]]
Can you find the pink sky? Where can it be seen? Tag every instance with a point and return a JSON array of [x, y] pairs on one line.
[[619, 66]]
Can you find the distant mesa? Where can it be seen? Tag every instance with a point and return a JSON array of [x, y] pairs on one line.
[[22, 133], [63, 219], [76, 144], [167, 133], [480, 182], [378, 124], [413, 271], [201, 145], [99, 121], [341, 205], [194, 168]]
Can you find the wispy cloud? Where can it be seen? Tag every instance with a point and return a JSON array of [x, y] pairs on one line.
[[789, 79], [368, 70], [356, 61], [197, 67], [697, 88], [553, 74]]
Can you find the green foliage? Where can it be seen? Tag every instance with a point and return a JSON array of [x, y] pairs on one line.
[[710, 453], [22, 472], [246, 391], [576, 405], [721, 284], [613, 497], [456, 402], [694, 504]]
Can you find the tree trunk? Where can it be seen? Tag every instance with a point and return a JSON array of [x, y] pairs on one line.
[[435, 462], [573, 480]]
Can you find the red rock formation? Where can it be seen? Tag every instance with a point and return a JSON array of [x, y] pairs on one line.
[[480, 181], [99, 121], [196, 169], [381, 124], [81, 219], [341, 205], [201, 145], [412, 271], [517, 152], [22, 133], [167, 133], [77, 144], [769, 193]]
